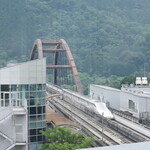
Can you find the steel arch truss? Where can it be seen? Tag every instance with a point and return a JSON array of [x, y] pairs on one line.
[[59, 46]]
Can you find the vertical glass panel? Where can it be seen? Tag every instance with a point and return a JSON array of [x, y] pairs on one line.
[[32, 101], [32, 110], [39, 131], [14, 102], [39, 138], [28, 102], [32, 146], [2, 102], [13, 87], [39, 117], [33, 139], [14, 95], [39, 110], [4, 87], [43, 86], [6, 95], [6, 102], [44, 124], [39, 87], [19, 103], [2, 96], [23, 95], [32, 125], [44, 116], [32, 94], [27, 94], [32, 131], [23, 88], [39, 124], [26, 87], [19, 87], [32, 118], [41, 101], [33, 87], [41, 94], [43, 109]]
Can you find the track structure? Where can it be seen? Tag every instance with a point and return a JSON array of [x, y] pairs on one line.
[[103, 135], [129, 117], [59, 60], [107, 132]]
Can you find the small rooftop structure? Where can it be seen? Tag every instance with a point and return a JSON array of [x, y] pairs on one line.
[[144, 81], [141, 81], [138, 81]]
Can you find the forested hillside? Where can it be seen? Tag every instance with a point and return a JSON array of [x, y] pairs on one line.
[[108, 38]]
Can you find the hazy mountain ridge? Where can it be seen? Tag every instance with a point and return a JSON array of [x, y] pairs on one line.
[[109, 36]]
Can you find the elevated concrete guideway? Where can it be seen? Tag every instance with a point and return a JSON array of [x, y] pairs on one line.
[[132, 125], [57, 118]]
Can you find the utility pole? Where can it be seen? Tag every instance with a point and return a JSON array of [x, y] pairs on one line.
[[102, 126]]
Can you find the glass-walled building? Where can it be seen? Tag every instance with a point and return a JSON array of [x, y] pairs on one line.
[[22, 89], [35, 95]]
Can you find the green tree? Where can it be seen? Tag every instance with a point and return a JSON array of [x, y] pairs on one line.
[[61, 138], [128, 80]]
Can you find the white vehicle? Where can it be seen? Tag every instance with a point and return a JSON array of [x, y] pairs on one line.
[[92, 107], [103, 110]]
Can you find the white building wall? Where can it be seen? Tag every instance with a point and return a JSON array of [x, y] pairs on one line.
[[142, 102], [29, 72], [106, 94], [13, 128], [119, 99]]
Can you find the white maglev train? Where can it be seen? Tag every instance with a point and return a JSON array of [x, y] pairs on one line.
[[90, 106], [103, 110]]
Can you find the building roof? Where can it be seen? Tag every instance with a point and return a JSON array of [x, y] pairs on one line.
[[132, 91], [133, 146], [106, 87], [30, 72]]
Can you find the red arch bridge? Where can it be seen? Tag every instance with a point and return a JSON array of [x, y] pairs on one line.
[[61, 68]]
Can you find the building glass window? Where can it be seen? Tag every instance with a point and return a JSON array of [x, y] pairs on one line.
[[39, 87], [33, 139], [32, 110], [32, 125], [133, 106], [4, 87], [33, 87], [34, 96], [36, 109], [39, 110], [39, 117], [41, 94], [32, 131], [32, 118], [13, 87], [39, 138]]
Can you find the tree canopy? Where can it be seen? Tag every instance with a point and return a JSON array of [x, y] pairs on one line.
[[62, 138]]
